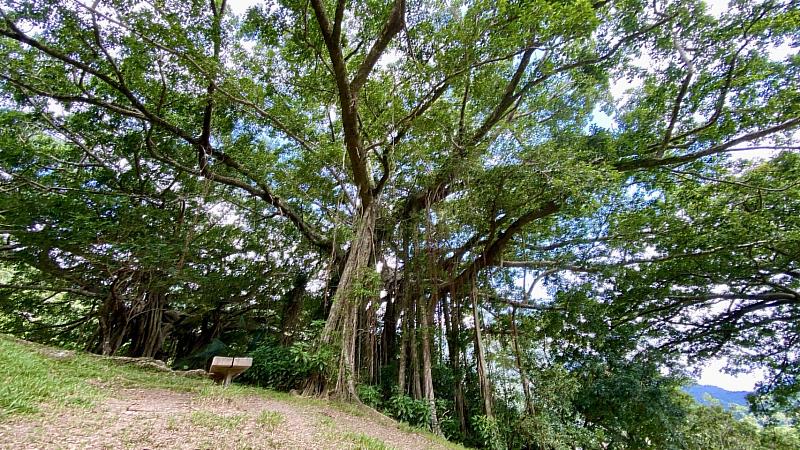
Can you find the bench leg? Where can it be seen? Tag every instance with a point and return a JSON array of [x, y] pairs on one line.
[[227, 381]]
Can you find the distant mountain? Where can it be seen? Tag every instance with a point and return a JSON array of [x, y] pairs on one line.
[[725, 397]]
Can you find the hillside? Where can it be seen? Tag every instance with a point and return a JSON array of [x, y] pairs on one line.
[[53, 398], [725, 397]]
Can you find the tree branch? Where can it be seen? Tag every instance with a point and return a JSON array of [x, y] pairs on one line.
[[28, 287], [391, 27]]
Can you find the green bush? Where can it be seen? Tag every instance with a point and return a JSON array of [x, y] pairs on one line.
[[274, 366], [312, 358], [370, 395], [284, 368], [406, 409], [488, 432], [448, 424]]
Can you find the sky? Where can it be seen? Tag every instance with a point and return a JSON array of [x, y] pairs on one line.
[[712, 373]]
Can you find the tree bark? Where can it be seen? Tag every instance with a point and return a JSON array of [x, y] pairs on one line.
[[389, 334], [111, 329], [426, 314], [486, 387], [368, 343], [341, 327], [403, 360], [416, 382], [147, 333], [526, 390], [452, 320], [292, 306]]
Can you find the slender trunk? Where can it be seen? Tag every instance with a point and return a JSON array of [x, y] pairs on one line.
[[401, 364], [416, 383], [440, 333], [389, 334], [486, 388], [452, 320], [426, 314], [368, 340], [526, 390]]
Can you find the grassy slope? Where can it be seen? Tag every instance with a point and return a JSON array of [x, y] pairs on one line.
[[32, 375], [35, 378]]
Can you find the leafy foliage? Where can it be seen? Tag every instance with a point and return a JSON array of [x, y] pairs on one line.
[[406, 409], [414, 173], [370, 395], [284, 368], [488, 432]]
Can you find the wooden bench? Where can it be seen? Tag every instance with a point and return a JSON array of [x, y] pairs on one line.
[[224, 369]]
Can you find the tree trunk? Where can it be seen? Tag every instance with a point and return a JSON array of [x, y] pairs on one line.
[[147, 333], [452, 321], [426, 314], [341, 326], [389, 334], [113, 325], [403, 308], [416, 383], [368, 340], [292, 306], [526, 390], [486, 387], [403, 361]]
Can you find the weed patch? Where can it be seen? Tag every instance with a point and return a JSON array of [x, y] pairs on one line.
[[269, 420], [205, 419]]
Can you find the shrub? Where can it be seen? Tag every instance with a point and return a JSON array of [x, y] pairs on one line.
[[488, 432], [283, 368], [370, 395], [276, 367], [406, 409]]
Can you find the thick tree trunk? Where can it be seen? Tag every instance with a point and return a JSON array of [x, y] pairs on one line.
[[292, 306], [147, 332], [486, 387], [341, 326], [139, 321], [112, 319]]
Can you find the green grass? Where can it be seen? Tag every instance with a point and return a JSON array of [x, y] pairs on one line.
[[402, 426], [34, 378], [29, 379], [269, 420], [364, 442], [350, 408], [326, 421], [205, 419]]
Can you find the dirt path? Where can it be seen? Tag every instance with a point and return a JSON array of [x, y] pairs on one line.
[[161, 419]]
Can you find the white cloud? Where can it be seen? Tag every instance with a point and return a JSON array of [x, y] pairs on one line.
[[713, 375]]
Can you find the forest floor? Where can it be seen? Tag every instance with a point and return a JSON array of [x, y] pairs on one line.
[[56, 399]]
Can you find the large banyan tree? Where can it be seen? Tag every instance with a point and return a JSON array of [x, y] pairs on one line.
[[421, 161]]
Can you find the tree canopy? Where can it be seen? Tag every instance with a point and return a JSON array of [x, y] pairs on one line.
[[414, 191]]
